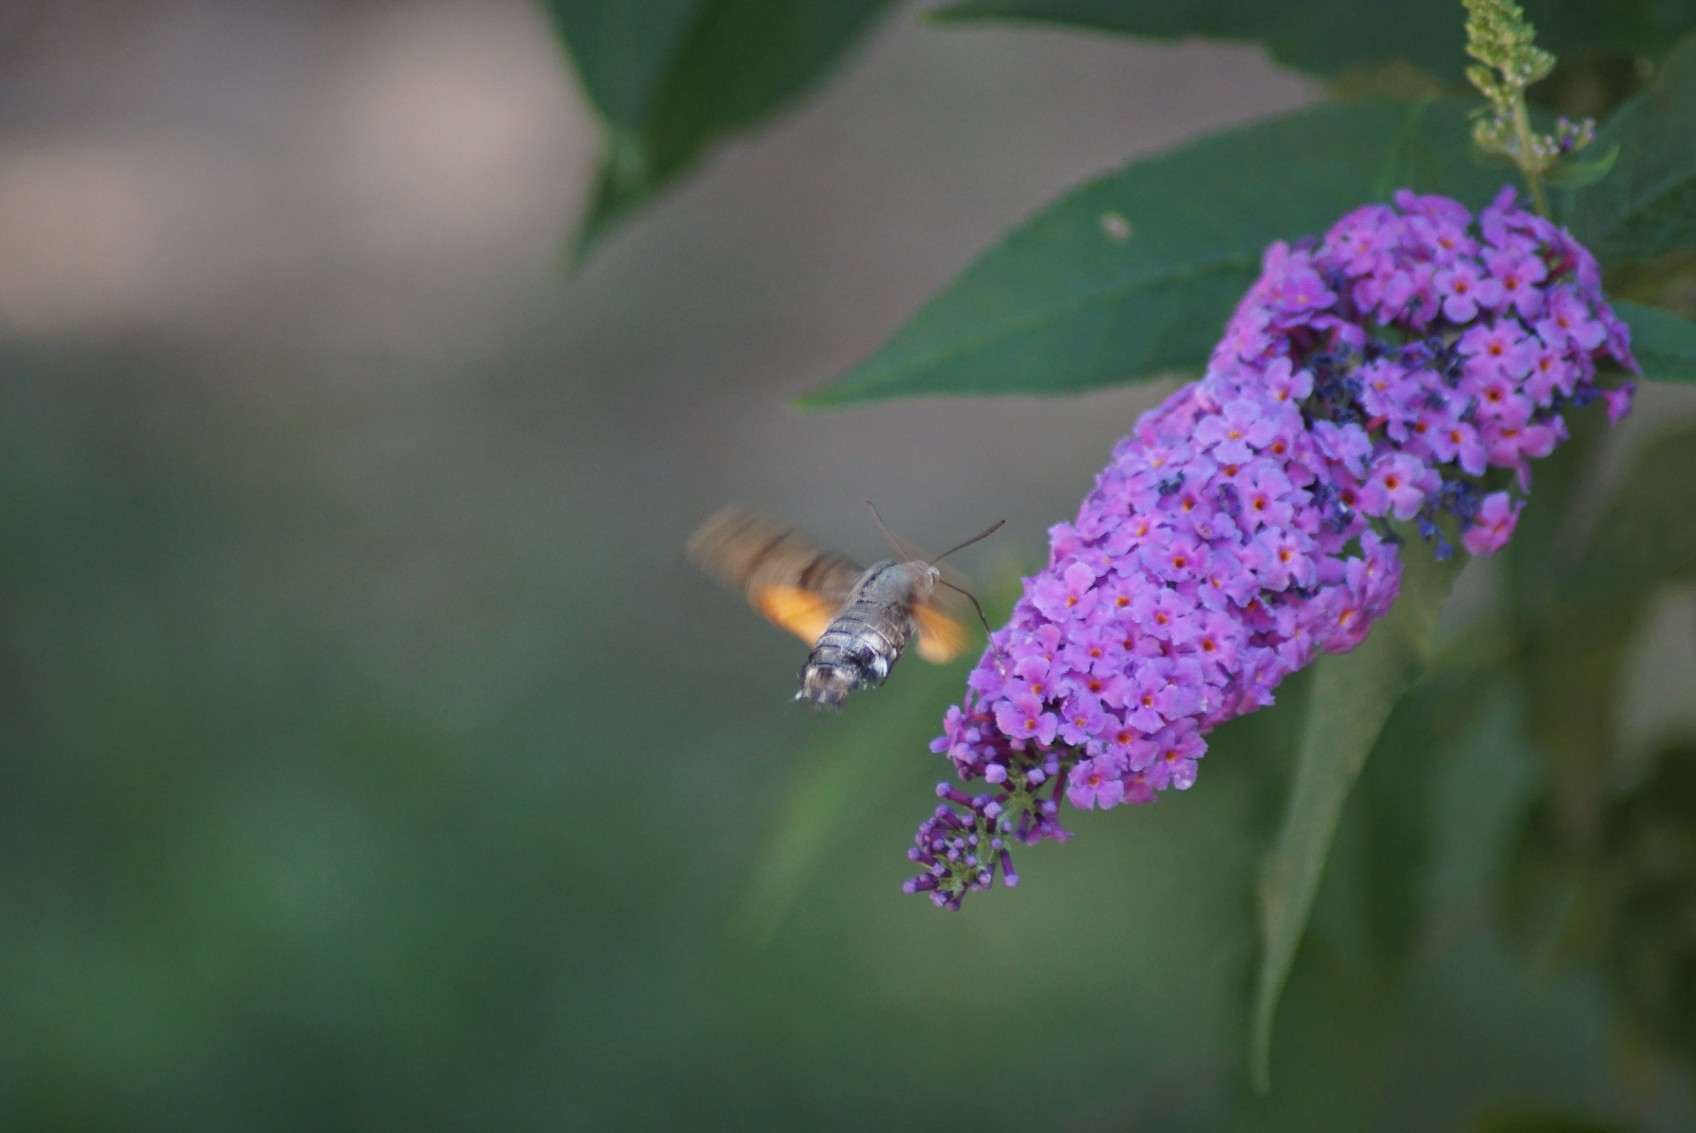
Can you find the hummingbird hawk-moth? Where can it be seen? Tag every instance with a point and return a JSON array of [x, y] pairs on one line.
[[858, 621]]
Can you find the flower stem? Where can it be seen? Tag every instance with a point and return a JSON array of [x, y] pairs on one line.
[[1503, 41], [1526, 143]]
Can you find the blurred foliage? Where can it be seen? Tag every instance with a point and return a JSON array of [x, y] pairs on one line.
[[672, 78], [1335, 37], [1622, 899], [1663, 343], [1347, 711], [1504, 1120], [1599, 872], [1646, 206], [1321, 37], [387, 798]]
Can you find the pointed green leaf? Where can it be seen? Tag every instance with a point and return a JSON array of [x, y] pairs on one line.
[[1329, 37], [1646, 206], [1134, 275], [1352, 696], [1583, 174], [854, 769], [1393, 817], [671, 78], [1504, 1119], [1321, 37], [1645, 537], [1664, 343], [621, 49]]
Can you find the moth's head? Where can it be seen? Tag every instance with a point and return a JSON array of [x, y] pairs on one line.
[[925, 577]]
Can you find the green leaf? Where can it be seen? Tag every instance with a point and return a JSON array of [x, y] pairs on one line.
[[1664, 343], [858, 766], [1352, 696], [1321, 37], [670, 78], [1134, 275], [1499, 1119], [1330, 37], [621, 49], [1577, 30], [1646, 207], [1583, 174], [1394, 814], [1645, 538]]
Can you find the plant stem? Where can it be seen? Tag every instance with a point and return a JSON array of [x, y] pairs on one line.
[[1528, 162]]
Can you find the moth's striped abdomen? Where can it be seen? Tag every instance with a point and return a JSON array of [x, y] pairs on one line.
[[854, 652], [865, 639]]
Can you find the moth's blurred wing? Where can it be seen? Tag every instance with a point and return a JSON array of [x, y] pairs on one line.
[[951, 612], [941, 638], [785, 576], [801, 612]]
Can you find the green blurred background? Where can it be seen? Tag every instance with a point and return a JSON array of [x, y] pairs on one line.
[[372, 758]]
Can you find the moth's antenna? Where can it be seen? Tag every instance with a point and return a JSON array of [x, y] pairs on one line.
[[900, 552], [1000, 660], [984, 534], [971, 597]]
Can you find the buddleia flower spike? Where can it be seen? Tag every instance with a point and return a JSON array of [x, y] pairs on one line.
[[1401, 374]]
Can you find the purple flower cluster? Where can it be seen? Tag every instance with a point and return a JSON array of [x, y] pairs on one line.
[[1378, 375]]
